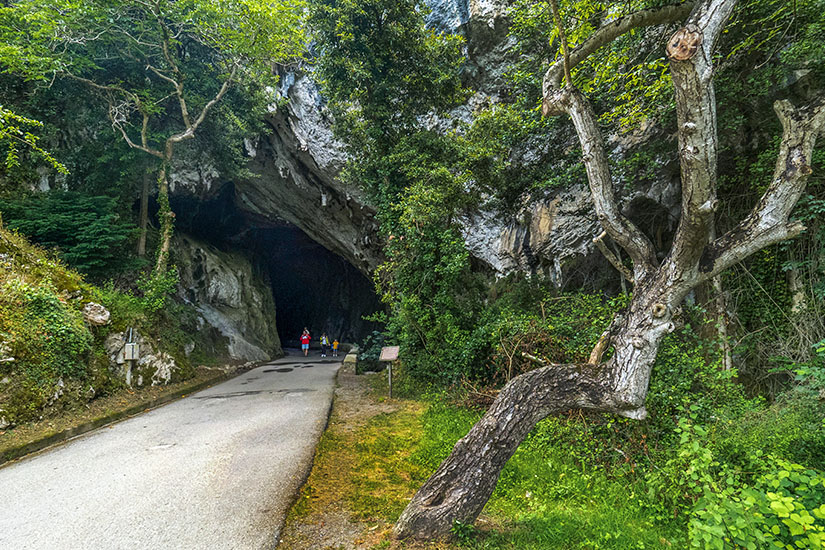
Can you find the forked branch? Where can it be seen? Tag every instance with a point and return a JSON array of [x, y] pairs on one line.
[[612, 258], [614, 29], [768, 222], [624, 232]]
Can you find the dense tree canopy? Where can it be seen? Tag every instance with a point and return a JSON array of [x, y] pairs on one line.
[[160, 66]]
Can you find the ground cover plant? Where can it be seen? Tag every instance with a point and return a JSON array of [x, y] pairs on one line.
[[711, 467], [51, 360]]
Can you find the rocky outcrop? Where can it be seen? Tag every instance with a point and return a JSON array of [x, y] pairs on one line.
[[152, 368], [555, 234], [231, 295], [297, 169], [96, 315]]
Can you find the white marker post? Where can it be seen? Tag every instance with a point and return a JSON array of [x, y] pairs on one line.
[[389, 354], [131, 353]]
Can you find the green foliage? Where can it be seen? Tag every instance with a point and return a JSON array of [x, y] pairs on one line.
[[530, 318], [86, 231], [42, 328], [48, 341], [383, 71], [381, 68], [499, 153], [44, 38], [49, 358], [545, 498], [464, 533], [15, 131], [157, 287], [781, 508], [369, 351], [630, 75], [791, 428], [154, 70]]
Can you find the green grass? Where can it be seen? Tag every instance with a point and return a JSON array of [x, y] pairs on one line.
[[545, 499], [385, 473]]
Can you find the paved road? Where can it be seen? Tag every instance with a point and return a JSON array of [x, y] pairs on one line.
[[216, 470]]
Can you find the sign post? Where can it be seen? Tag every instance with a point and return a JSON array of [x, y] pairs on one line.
[[389, 354], [131, 353]]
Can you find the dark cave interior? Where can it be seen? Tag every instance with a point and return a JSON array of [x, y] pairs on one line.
[[312, 286]]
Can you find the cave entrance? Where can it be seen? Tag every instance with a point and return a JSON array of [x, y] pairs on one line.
[[312, 286]]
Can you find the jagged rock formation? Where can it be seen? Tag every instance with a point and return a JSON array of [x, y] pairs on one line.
[[231, 295], [152, 368], [298, 164]]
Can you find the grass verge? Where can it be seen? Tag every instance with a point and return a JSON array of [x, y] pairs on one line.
[[376, 452]]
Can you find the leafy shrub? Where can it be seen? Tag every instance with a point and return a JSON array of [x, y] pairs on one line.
[[785, 508], [369, 352], [48, 340], [559, 328], [157, 288], [793, 428], [762, 502]]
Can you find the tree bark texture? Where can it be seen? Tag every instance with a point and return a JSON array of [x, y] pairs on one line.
[[463, 483], [143, 221], [165, 214]]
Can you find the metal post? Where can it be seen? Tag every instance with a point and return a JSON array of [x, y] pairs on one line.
[[128, 361], [389, 354]]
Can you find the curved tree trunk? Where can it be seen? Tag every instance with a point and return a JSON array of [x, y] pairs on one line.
[[463, 483]]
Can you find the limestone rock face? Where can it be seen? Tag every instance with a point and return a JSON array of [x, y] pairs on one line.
[[231, 295], [96, 314], [153, 367], [555, 234], [297, 168]]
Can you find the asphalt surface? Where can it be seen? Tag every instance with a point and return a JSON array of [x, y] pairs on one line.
[[215, 470]]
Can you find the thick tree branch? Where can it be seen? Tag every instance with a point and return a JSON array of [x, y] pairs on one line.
[[612, 30], [768, 222], [690, 52], [458, 490], [190, 130], [144, 132], [621, 230], [133, 145]]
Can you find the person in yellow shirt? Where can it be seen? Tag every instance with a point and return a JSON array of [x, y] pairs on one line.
[[335, 348]]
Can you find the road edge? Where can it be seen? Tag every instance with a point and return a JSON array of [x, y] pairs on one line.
[[308, 470], [16, 453]]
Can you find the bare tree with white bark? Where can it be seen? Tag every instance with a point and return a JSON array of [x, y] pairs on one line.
[[463, 483]]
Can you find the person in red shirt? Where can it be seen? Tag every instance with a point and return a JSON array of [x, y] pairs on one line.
[[305, 338]]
